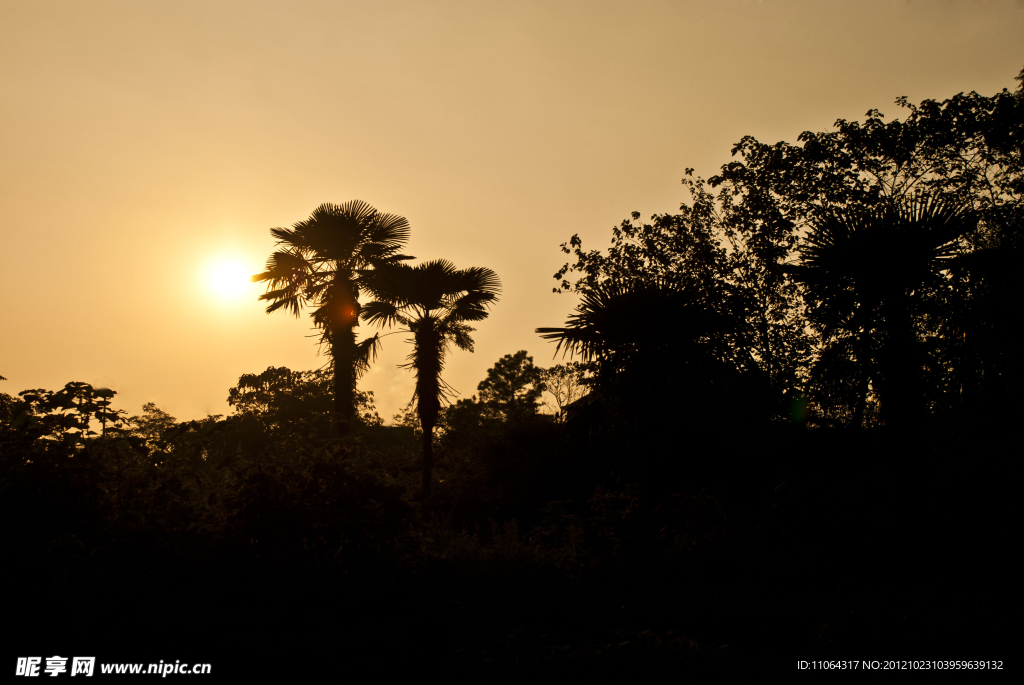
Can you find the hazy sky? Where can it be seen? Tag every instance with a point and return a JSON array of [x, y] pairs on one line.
[[143, 142]]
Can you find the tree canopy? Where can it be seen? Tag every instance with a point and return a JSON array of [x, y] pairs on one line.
[[513, 387]]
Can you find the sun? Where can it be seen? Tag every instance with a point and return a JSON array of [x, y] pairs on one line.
[[227, 279]]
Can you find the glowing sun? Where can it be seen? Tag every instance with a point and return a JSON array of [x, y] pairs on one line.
[[227, 279]]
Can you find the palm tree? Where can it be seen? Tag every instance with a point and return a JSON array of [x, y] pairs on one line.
[[321, 263], [864, 269], [660, 348], [433, 301], [623, 325], [667, 364]]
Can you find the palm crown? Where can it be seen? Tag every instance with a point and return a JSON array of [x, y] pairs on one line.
[[324, 257], [619, 323], [853, 262]]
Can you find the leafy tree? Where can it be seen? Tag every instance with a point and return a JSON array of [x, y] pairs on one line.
[[152, 425], [513, 387], [67, 414], [965, 150], [967, 146], [564, 383], [433, 301], [287, 401], [7, 405], [407, 417], [366, 410], [322, 263]]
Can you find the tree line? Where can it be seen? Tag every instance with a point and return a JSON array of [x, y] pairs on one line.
[[859, 278]]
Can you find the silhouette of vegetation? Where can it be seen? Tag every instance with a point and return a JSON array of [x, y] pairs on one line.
[[322, 263], [725, 269], [961, 152], [875, 294], [433, 301], [298, 402], [512, 389], [781, 428], [565, 383]]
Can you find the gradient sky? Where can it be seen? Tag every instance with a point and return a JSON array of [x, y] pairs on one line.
[[141, 142]]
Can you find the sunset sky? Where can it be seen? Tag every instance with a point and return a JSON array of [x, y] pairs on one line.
[[146, 149]]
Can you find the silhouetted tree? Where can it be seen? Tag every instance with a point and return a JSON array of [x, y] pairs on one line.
[[513, 387], [666, 364], [321, 264], [152, 425], [433, 301], [565, 383], [67, 414], [286, 401], [966, 149], [865, 271], [406, 417]]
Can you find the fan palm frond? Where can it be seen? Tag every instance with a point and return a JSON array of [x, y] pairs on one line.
[[366, 353], [381, 313], [615, 318]]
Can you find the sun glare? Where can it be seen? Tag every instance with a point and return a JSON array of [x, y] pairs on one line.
[[227, 279]]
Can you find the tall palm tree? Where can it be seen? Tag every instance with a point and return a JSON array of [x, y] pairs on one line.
[[433, 301], [321, 263], [864, 270]]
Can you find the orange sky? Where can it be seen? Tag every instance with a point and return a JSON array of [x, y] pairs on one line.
[[141, 141]]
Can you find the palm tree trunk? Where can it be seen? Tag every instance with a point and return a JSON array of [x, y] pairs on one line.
[[343, 353], [428, 405], [902, 400], [429, 348], [428, 459]]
